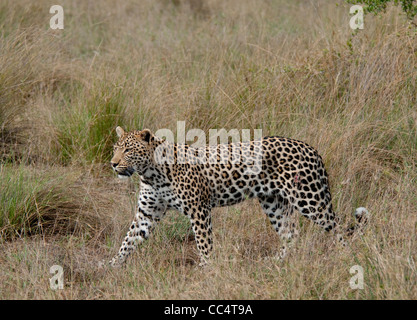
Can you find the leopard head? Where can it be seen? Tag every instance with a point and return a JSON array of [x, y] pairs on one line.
[[132, 152]]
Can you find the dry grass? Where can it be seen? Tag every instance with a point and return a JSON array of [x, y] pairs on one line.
[[291, 68]]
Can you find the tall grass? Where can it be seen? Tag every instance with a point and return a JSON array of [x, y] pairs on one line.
[[85, 131], [36, 201], [28, 200]]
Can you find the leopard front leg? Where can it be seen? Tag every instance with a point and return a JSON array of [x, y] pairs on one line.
[[201, 225], [149, 212]]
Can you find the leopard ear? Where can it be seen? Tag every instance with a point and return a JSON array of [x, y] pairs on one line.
[[120, 132], [146, 135]]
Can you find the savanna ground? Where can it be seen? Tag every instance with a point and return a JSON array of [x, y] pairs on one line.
[[290, 68]]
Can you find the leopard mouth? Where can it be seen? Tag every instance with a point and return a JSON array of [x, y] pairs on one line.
[[126, 173]]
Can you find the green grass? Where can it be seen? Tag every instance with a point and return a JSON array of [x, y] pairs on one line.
[[28, 200], [86, 131], [44, 201]]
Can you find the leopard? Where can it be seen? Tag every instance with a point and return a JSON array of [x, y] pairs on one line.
[[285, 175]]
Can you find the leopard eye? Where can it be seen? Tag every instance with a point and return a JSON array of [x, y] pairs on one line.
[[128, 149]]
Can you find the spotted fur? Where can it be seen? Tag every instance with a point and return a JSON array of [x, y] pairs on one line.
[[288, 176]]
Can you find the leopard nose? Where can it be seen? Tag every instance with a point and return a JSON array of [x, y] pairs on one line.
[[114, 164]]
